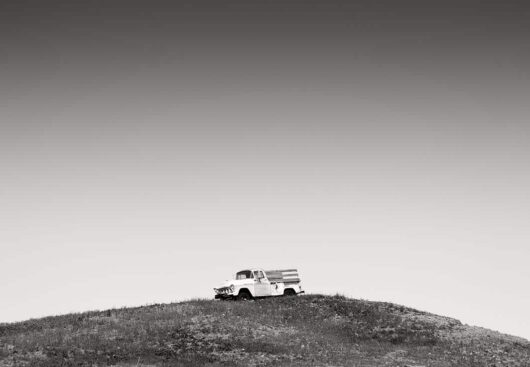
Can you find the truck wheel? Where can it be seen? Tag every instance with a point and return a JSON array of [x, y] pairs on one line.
[[289, 292], [244, 296]]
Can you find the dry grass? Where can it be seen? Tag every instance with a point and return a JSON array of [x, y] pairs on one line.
[[292, 331]]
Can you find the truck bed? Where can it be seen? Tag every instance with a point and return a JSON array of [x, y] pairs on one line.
[[283, 276]]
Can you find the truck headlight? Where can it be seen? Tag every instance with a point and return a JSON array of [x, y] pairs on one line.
[[231, 288]]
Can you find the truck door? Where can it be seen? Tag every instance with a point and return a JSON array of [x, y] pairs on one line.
[[262, 286]]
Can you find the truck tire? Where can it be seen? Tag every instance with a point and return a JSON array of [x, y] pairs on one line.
[[289, 292], [244, 295]]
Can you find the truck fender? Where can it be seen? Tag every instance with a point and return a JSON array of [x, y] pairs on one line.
[[290, 291], [245, 290]]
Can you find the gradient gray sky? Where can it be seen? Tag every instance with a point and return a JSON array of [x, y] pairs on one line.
[[150, 149]]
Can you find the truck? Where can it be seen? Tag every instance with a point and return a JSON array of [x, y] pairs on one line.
[[258, 283]]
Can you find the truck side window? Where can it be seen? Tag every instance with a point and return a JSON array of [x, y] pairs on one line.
[[261, 276], [244, 274]]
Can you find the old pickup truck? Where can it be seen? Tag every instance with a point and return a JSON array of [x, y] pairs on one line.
[[258, 283]]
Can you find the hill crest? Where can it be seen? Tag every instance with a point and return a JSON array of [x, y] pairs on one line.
[[311, 330]]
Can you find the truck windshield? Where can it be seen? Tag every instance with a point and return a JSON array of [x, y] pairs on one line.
[[245, 274]]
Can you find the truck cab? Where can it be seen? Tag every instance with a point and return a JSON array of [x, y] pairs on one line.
[[258, 283]]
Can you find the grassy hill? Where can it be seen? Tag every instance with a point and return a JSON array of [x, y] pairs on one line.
[[310, 330]]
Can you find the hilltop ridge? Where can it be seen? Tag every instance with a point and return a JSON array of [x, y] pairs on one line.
[[311, 330]]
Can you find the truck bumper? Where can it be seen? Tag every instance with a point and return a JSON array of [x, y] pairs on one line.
[[224, 297]]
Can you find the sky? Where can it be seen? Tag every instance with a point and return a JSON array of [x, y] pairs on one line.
[[151, 149]]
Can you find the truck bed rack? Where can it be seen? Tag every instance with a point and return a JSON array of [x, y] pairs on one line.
[[287, 276]]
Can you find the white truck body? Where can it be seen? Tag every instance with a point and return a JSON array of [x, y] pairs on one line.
[[258, 283]]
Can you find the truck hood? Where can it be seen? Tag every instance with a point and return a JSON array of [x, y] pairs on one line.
[[237, 282]]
